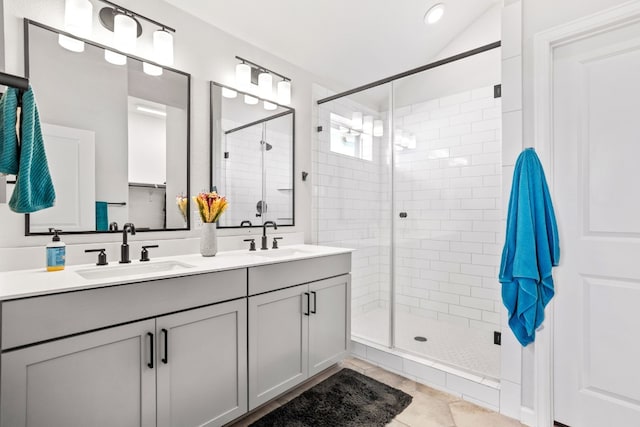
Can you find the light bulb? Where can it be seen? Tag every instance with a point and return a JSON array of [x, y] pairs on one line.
[[78, 17], [367, 124], [378, 128], [265, 85], [152, 70], [74, 45], [356, 120], [284, 92], [114, 58], [243, 76], [125, 33], [163, 47], [248, 99], [229, 93]]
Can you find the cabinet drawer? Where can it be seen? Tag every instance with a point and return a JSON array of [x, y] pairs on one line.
[[270, 277], [31, 320]]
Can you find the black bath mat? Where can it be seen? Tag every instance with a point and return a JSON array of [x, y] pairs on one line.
[[346, 399]]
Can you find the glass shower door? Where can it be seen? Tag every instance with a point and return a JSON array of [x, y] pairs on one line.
[[446, 175]]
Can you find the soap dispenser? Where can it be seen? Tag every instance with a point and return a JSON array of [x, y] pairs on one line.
[[56, 252]]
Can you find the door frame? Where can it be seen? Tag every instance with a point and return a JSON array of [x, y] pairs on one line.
[[545, 43]]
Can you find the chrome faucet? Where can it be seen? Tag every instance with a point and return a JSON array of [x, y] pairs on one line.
[[124, 248], [264, 233]]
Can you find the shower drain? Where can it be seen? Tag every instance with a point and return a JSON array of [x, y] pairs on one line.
[[421, 339]]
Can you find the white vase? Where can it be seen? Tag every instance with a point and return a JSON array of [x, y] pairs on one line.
[[209, 239]]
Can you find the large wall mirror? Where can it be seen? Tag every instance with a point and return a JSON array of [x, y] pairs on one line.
[[117, 139], [252, 159]]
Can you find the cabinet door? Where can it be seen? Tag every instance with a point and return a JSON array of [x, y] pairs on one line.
[[96, 379], [278, 342], [329, 322], [202, 365]]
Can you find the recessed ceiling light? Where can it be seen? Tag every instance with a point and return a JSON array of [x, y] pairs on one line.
[[434, 14]]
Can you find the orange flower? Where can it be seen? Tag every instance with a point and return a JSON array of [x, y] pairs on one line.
[[210, 206]]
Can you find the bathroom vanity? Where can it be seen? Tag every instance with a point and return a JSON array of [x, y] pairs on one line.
[[191, 341]]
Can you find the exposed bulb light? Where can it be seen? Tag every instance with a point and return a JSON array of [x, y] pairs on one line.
[[125, 33], [378, 128], [229, 93], [269, 106], [114, 58], [77, 21], [248, 99], [265, 85], [243, 76], [356, 120], [152, 70], [367, 124], [284, 92], [434, 14], [69, 43], [149, 110], [163, 47]]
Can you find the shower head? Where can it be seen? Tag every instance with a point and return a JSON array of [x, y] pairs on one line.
[[267, 145]]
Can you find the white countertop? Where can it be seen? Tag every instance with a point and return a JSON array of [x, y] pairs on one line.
[[29, 283]]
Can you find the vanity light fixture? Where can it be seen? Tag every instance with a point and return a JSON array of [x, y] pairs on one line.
[[77, 21], [152, 70], [434, 14], [163, 46], [251, 100], [114, 58], [367, 124], [249, 73], [378, 128], [356, 120], [229, 93]]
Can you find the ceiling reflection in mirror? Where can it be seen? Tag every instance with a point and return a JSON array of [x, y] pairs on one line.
[[252, 159], [116, 138]]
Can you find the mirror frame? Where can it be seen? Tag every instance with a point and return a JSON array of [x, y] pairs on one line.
[[213, 149], [27, 23]]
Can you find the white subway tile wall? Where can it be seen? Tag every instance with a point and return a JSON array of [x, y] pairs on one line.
[[243, 170]]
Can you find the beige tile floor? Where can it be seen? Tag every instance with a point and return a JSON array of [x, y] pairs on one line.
[[429, 408]]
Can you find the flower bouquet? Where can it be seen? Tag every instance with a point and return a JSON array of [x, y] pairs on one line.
[[181, 201], [210, 206]]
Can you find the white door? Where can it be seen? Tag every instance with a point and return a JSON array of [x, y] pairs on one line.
[[596, 186]]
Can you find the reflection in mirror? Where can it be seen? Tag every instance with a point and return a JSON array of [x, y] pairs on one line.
[[117, 139], [252, 160]]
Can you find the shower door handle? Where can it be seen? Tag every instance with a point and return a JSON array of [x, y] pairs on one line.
[[403, 215]]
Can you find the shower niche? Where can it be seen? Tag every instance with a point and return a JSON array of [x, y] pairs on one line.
[[252, 158]]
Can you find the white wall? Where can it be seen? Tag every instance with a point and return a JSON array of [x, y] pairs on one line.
[[201, 50]]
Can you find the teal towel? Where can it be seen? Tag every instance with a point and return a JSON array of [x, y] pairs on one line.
[[531, 248], [8, 137], [34, 189], [102, 216]]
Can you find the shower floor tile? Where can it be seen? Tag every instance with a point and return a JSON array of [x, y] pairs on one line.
[[466, 348]]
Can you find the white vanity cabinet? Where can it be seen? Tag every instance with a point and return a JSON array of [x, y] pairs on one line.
[[298, 322], [188, 367], [202, 365], [98, 379]]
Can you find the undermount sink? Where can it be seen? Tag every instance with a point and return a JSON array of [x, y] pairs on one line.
[[282, 252], [132, 269]]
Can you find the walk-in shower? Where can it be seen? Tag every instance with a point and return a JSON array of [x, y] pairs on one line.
[[408, 173]]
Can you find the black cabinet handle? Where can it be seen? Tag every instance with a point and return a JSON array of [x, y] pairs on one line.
[[307, 295], [165, 359], [151, 350], [315, 302]]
